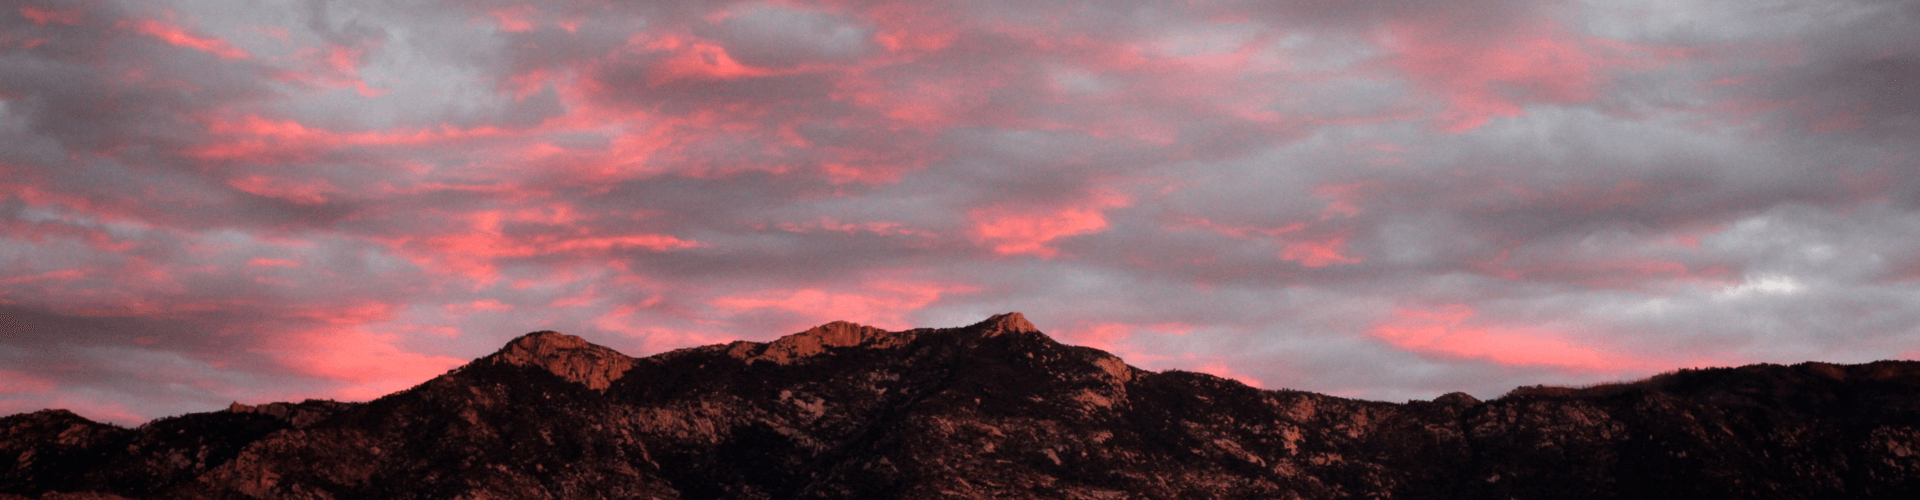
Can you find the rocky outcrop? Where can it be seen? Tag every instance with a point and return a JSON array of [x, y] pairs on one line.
[[566, 356], [817, 340], [991, 410], [1012, 322]]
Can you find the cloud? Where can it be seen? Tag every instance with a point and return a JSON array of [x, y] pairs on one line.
[[1443, 332], [1018, 231], [1377, 199], [167, 32], [879, 303]]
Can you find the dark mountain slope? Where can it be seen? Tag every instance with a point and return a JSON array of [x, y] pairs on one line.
[[991, 410]]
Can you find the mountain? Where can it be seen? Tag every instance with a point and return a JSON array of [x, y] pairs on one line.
[[992, 410]]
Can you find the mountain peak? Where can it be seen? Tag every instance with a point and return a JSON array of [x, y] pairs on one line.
[[567, 356], [842, 333], [1012, 322], [549, 337], [816, 340]]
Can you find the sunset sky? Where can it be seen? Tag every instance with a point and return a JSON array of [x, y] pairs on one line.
[[205, 201]]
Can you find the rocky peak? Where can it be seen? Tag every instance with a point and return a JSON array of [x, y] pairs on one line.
[[837, 334], [567, 356], [1012, 322], [817, 340]]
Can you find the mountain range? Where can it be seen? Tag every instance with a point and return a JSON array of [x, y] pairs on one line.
[[992, 410]]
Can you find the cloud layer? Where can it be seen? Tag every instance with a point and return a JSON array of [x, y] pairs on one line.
[[204, 201]]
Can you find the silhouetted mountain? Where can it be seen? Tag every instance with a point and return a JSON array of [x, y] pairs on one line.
[[992, 410]]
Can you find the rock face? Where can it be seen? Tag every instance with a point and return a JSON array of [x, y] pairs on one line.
[[565, 356], [992, 410]]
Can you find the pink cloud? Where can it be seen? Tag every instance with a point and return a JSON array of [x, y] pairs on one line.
[[1223, 370], [261, 140], [1342, 199], [472, 251], [358, 313], [1296, 243], [1123, 339], [22, 392], [77, 227], [586, 297], [176, 35], [1294, 247], [1031, 230], [44, 16], [699, 60], [911, 28], [1450, 332], [346, 62], [883, 228], [1318, 253], [310, 192], [1115, 336], [1103, 336], [63, 275], [1238, 231], [267, 141], [353, 345], [1494, 75], [366, 364], [17, 382], [920, 103], [562, 244], [334, 66], [860, 170], [653, 336], [480, 305], [515, 19], [266, 262], [29, 191]]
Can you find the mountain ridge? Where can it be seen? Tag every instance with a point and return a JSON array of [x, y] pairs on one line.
[[992, 409]]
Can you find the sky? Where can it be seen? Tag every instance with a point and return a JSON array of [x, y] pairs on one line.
[[208, 201]]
